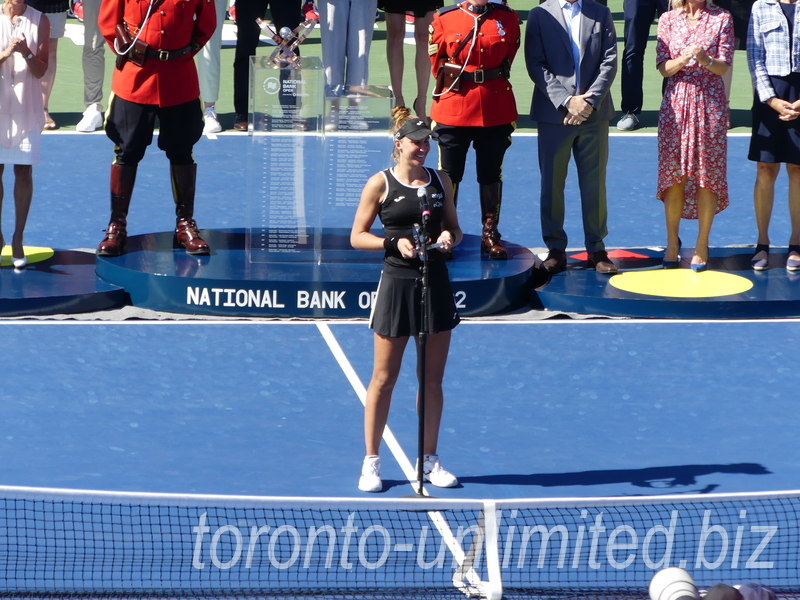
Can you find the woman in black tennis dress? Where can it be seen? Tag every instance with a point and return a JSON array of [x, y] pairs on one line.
[[393, 196]]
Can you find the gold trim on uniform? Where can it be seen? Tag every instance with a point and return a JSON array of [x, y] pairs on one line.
[[433, 49]]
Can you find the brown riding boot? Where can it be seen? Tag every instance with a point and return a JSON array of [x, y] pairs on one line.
[[183, 186], [491, 198], [122, 181]]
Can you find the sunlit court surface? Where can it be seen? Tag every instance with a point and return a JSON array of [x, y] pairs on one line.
[[220, 458], [650, 414]]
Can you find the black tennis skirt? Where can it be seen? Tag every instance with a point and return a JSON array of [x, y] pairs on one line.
[[397, 308], [773, 140], [418, 7]]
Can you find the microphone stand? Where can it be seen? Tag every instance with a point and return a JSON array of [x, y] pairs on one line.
[[421, 242]]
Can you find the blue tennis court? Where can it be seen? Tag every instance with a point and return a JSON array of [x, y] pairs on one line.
[[541, 418], [536, 409], [556, 409]]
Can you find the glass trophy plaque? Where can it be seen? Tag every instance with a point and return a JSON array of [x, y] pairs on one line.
[[284, 183], [357, 144], [309, 159]]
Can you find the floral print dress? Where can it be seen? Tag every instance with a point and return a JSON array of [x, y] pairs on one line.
[[693, 120]]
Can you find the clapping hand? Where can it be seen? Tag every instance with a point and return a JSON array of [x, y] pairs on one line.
[[19, 44], [691, 53]]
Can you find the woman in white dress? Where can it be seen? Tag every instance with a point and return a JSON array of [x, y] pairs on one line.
[[24, 33]]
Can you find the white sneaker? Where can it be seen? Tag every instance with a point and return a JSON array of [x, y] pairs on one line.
[[211, 121], [370, 480], [92, 119], [435, 474]]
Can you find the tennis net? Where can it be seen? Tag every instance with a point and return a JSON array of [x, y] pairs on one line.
[[59, 543]]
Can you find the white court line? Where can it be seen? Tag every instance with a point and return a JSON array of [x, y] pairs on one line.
[[397, 451], [596, 320], [361, 392]]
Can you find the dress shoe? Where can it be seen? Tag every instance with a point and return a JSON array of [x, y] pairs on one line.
[[114, 242], [186, 235], [601, 263], [556, 262], [240, 124]]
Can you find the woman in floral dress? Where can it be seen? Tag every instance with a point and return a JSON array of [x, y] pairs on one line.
[[695, 48]]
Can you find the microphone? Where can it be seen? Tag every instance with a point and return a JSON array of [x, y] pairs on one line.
[[422, 194]]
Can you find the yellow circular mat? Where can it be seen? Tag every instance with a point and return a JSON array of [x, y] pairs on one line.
[[681, 283], [34, 254]]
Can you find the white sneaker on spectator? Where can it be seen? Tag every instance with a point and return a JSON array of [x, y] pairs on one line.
[[211, 121], [92, 119], [435, 474], [628, 122], [370, 480]]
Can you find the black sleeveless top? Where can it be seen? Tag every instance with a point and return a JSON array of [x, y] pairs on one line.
[[400, 210]]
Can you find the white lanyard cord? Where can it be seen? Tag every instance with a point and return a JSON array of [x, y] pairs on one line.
[[138, 33], [469, 55]]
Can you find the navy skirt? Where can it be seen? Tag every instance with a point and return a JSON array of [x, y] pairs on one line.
[[773, 140]]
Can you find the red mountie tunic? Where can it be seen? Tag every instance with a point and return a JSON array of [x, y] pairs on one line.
[[476, 104], [172, 25]]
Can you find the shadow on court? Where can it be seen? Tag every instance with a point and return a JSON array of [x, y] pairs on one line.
[[651, 477]]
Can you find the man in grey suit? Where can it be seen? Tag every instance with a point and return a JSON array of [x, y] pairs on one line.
[[571, 55]]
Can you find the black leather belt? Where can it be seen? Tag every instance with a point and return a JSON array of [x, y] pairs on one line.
[[168, 54], [481, 75]]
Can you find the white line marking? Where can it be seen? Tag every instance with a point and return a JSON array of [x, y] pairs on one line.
[[45, 320], [395, 448], [361, 392]]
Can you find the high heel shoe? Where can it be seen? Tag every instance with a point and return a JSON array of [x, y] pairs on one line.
[[792, 263], [19, 263], [673, 264], [760, 264], [699, 267]]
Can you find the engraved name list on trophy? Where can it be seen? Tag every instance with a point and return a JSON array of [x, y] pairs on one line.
[[357, 145], [284, 188]]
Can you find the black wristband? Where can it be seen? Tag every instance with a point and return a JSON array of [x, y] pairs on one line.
[[390, 244]]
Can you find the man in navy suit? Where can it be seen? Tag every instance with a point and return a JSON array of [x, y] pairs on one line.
[[571, 55]]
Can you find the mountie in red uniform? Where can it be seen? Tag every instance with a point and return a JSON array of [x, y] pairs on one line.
[[159, 80], [495, 46], [480, 41]]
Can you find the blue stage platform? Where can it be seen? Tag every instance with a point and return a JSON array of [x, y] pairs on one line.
[[63, 281], [730, 289], [342, 285]]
